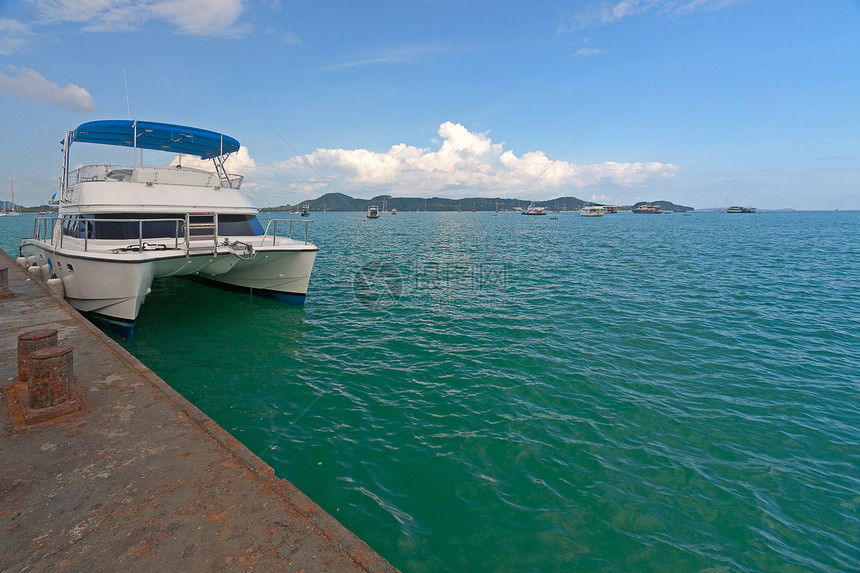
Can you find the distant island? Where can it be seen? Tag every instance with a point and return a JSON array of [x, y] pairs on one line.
[[9, 206], [338, 202], [344, 203], [664, 205]]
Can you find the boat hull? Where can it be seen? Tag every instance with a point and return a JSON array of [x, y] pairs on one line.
[[111, 287], [281, 275], [591, 212]]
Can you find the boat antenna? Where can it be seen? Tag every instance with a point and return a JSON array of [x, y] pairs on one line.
[[569, 145], [296, 152], [127, 104]]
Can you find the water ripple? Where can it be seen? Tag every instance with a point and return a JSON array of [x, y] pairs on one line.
[[633, 393]]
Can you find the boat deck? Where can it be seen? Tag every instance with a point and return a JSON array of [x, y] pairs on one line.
[[140, 479]]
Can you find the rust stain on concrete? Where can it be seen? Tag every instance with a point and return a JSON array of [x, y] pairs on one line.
[[140, 479]]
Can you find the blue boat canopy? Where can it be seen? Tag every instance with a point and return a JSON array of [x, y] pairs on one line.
[[159, 136]]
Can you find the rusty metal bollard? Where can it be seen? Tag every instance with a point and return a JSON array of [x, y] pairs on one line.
[[31, 341], [49, 376], [5, 291]]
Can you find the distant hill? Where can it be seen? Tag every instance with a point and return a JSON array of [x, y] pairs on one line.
[[7, 205], [341, 202], [665, 205]]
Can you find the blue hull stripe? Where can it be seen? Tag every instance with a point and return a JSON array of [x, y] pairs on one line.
[[287, 297], [124, 328]]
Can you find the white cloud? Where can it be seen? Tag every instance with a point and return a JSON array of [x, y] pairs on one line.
[[196, 17], [240, 162], [97, 13], [465, 163], [290, 38], [367, 62], [13, 36], [398, 54], [587, 52], [30, 85], [684, 6], [600, 13], [201, 17], [607, 13]]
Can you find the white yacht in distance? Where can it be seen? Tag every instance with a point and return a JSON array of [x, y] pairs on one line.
[[120, 227], [591, 211], [11, 209], [534, 210], [648, 209]]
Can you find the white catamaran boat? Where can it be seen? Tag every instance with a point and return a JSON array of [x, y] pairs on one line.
[[120, 227]]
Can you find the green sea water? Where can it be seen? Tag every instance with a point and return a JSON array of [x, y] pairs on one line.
[[481, 392]]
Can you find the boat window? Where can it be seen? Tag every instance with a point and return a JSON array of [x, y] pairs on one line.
[[75, 226], [228, 225], [70, 227], [239, 225], [123, 230]]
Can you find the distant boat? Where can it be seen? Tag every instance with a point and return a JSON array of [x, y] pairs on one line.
[[394, 211], [739, 209], [591, 211], [648, 209], [305, 211], [608, 209], [373, 212], [534, 210], [11, 209]]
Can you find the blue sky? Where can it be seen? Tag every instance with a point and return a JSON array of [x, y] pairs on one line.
[[700, 102]]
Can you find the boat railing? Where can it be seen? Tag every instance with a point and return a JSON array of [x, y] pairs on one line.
[[273, 227], [154, 176], [204, 227], [53, 229], [43, 229]]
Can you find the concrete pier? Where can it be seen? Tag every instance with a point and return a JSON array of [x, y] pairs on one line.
[[136, 478]]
